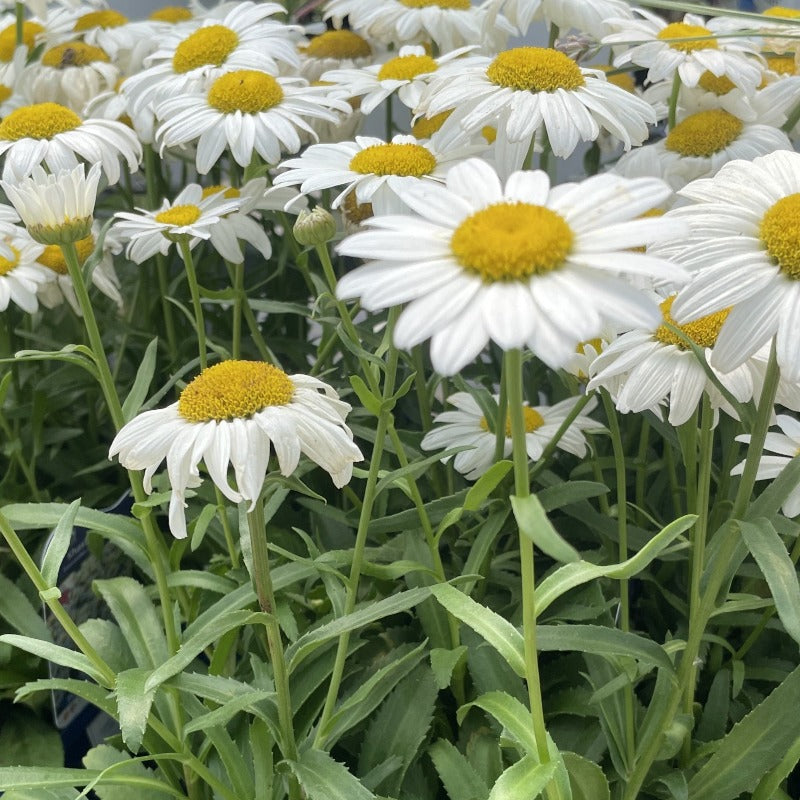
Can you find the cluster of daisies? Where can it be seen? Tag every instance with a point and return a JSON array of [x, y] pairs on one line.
[[436, 135]]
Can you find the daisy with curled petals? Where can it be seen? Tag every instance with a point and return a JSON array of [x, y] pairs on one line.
[[779, 450], [375, 170], [468, 426], [528, 89], [743, 244], [20, 276], [231, 414], [55, 135], [586, 17], [248, 112], [190, 214], [699, 145], [686, 48], [520, 264]]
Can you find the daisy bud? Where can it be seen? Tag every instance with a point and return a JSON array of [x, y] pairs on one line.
[[314, 227]]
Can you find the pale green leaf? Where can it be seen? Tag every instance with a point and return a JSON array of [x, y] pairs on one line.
[[58, 544], [524, 780], [456, 773], [133, 705], [322, 778], [534, 524]]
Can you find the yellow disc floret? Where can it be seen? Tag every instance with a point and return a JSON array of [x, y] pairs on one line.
[[206, 47], [53, 257], [781, 11], [246, 90], [704, 133], [171, 14], [623, 79], [718, 85], [394, 159], [8, 38], [234, 390], [406, 68], [354, 212], [73, 54], [459, 5], [38, 121], [512, 241], [533, 421], [230, 191], [535, 69], [7, 264], [780, 233], [100, 19], [425, 127], [179, 216], [338, 44], [703, 332], [783, 65], [682, 30], [5, 92]]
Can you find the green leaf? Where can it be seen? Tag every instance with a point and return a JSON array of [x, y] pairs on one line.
[[443, 662], [27, 740], [565, 493], [58, 544], [367, 398], [133, 705], [456, 773], [768, 503], [322, 778], [533, 523], [120, 766], [141, 385], [53, 652], [753, 746], [486, 484], [499, 632], [16, 610], [524, 780], [770, 783], [587, 779], [41, 794], [228, 710], [778, 569]]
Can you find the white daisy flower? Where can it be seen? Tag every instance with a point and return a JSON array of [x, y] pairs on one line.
[[190, 214], [115, 105], [55, 135], [744, 244], [586, 353], [521, 265], [374, 169], [528, 89], [248, 112], [336, 49], [699, 145], [687, 48], [779, 450], [12, 75], [586, 17], [20, 275], [230, 414], [468, 426]]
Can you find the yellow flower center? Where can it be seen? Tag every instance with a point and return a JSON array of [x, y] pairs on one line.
[[704, 133], [533, 421], [703, 332], [355, 213], [53, 258], [230, 191], [394, 159], [245, 90], [171, 14], [716, 85], [38, 121], [208, 46], [425, 127], [535, 69], [624, 80], [682, 30], [6, 265], [781, 11], [780, 233], [73, 54], [100, 19], [338, 44], [489, 133], [5, 92], [406, 68], [179, 215], [783, 65], [8, 38], [511, 241], [459, 5], [234, 390]]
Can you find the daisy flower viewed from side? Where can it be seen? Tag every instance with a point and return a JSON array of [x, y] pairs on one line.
[[468, 426], [520, 264], [232, 414]]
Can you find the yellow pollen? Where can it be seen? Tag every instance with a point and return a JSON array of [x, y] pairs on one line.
[[406, 68], [622, 79], [208, 46], [100, 19], [8, 38], [597, 344], [703, 332], [73, 54], [394, 159], [682, 30], [783, 65], [171, 14], [425, 127], [459, 5], [355, 213], [511, 241], [533, 421], [781, 11], [338, 44], [245, 90], [535, 69], [234, 390], [179, 215], [489, 133], [780, 233], [53, 258], [5, 92], [6, 265], [716, 85], [38, 121], [704, 133], [230, 191]]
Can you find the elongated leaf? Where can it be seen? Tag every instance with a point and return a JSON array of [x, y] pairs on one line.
[[261, 744], [456, 773], [58, 544], [227, 711], [16, 610], [565, 493], [141, 385], [499, 632], [753, 746], [133, 705], [533, 523], [768, 503], [105, 757], [587, 779], [773, 560], [524, 780], [326, 779], [443, 662], [53, 777], [486, 484], [53, 652], [41, 794]]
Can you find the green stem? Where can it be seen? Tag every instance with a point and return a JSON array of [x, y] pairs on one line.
[[552, 445], [19, 13], [423, 401], [502, 416], [194, 288], [673, 101], [641, 470], [226, 528], [238, 300]]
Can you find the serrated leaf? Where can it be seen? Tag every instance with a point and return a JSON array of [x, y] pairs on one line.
[[119, 766], [227, 711], [58, 544], [261, 744], [443, 662], [141, 384], [456, 773], [524, 780], [587, 779], [534, 524], [322, 778], [133, 705], [53, 652]]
